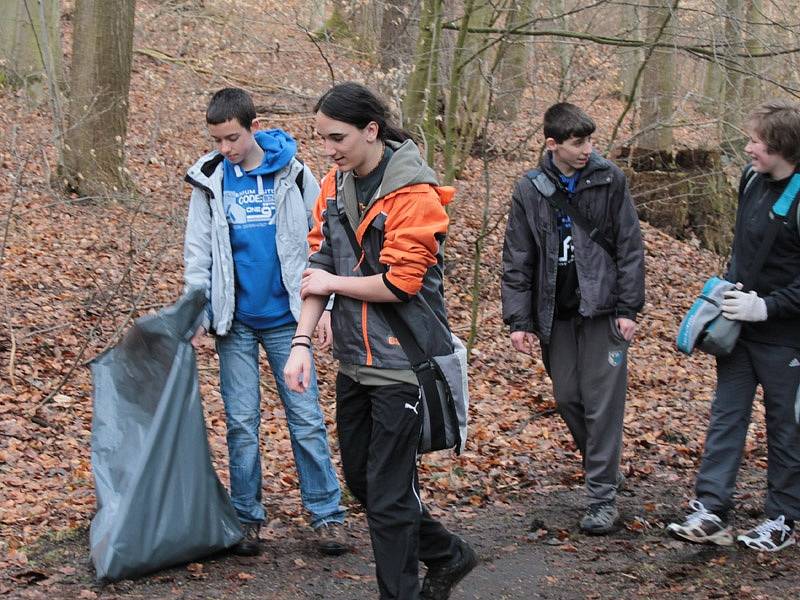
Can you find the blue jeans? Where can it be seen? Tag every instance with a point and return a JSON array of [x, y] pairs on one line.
[[239, 385]]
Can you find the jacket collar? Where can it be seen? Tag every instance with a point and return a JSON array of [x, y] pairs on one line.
[[596, 163]]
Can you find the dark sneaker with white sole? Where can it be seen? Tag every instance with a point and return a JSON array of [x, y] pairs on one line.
[[772, 535], [441, 579], [600, 518], [702, 527]]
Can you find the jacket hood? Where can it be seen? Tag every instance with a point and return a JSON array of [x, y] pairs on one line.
[[406, 167], [279, 148]]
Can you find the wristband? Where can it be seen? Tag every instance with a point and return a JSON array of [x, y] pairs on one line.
[[304, 344], [308, 337]]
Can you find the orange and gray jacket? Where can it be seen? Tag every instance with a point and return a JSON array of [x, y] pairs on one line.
[[607, 284], [400, 233]]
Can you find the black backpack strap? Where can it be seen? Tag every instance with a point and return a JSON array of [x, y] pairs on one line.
[[748, 178], [797, 213], [775, 224], [548, 189], [299, 179], [422, 365]]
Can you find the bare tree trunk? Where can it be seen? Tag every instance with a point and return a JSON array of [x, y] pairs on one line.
[[451, 133], [28, 46], [315, 15], [630, 58], [658, 81], [731, 106], [754, 44], [367, 17], [511, 78], [562, 49], [98, 111], [419, 91], [396, 39], [396, 46]]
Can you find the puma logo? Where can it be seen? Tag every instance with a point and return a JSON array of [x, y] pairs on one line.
[[414, 408]]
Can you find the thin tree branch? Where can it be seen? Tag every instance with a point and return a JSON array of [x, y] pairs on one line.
[[314, 41], [701, 51]]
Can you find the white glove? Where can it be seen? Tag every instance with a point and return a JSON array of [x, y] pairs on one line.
[[741, 306]]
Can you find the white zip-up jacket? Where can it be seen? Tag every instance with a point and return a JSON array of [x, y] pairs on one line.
[[207, 253]]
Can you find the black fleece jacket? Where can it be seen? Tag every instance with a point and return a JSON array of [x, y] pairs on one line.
[[778, 281]]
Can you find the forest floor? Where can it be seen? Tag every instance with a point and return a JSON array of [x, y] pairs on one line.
[[75, 272], [529, 547]]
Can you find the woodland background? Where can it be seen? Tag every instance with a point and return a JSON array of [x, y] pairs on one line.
[[102, 111]]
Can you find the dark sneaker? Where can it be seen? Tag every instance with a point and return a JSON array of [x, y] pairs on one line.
[[250, 544], [772, 535], [441, 579], [331, 539], [702, 527], [600, 518]]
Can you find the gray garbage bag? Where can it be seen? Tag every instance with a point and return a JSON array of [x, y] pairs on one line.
[[159, 501]]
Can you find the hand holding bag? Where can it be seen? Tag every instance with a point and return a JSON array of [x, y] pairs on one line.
[[704, 326]]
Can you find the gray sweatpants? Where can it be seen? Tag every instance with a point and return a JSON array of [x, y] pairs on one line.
[[777, 369], [587, 359]]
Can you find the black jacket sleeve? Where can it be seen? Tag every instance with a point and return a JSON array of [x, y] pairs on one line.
[[629, 251], [520, 259]]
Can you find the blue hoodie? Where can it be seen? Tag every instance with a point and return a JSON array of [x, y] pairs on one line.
[[249, 201]]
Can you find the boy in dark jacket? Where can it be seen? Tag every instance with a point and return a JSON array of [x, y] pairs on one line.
[[767, 352], [573, 276]]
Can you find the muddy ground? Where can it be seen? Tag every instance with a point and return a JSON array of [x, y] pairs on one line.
[[528, 543]]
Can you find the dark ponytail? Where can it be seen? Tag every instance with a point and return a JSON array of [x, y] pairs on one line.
[[356, 105]]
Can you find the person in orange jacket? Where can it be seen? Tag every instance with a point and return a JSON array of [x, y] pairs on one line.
[[381, 205]]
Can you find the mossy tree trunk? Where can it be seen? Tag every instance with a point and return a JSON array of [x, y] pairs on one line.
[[511, 81], [422, 88], [30, 45], [474, 70]]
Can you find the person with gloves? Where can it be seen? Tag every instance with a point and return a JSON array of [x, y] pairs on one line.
[[767, 352]]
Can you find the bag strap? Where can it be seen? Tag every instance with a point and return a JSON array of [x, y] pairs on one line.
[[777, 215], [299, 179], [546, 187], [422, 365], [410, 346]]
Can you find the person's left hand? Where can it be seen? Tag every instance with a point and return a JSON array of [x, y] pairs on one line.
[[316, 282], [627, 327], [743, 306], [297, 370], [323, 331]]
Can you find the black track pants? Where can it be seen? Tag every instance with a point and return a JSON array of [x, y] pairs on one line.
[[379, 429]]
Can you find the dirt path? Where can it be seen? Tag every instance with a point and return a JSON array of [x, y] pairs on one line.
[[529, 547]]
